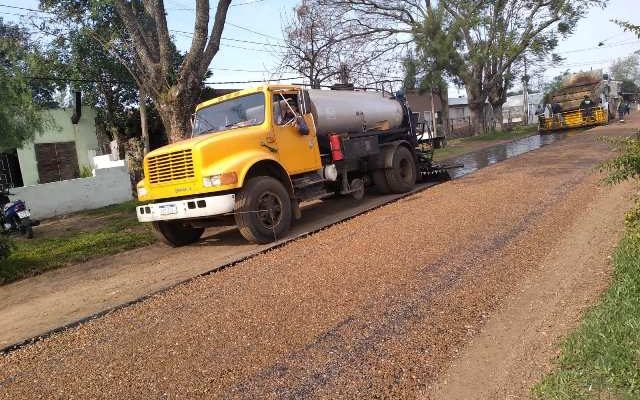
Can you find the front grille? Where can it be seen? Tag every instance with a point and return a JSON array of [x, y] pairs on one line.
[[170, 167]]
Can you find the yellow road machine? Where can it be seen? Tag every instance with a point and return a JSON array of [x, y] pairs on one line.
[[584, 99]]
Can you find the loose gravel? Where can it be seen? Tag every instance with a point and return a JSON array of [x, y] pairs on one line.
[[370, 308]]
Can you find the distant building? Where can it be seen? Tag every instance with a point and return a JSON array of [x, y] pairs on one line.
[[421, 103], [513, 108], [62, 152], [459, 108]]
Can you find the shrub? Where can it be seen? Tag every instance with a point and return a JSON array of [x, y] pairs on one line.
[[627, 164], [6, 246]]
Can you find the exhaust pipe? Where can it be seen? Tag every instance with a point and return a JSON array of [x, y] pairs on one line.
[[77, 113]]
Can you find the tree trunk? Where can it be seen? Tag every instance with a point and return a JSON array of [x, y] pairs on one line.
[[497, 98], [175, 109], [476, 100], [443, 94], [142, 95], [477, 117], [498, 117]]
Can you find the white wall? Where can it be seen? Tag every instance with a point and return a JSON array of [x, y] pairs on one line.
[[108, 186]]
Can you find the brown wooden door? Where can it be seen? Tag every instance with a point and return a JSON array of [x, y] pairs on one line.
[[57, 161]]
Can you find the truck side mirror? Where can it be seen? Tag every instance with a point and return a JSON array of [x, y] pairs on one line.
[[302, 125]]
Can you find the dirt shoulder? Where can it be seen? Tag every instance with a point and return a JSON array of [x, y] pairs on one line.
[[376, 306], [75, 238], [514, 348]]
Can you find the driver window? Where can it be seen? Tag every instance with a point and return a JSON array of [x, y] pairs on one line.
[[285, 109]]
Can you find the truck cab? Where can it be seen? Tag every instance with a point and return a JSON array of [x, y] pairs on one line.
[[256, 154]]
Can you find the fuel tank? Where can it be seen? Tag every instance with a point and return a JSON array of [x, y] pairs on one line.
[[345, 111]]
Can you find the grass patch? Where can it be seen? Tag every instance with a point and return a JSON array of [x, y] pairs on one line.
[[456, 147], [448, 152], [128, 207], [515, 133], [119, 231], [601, 358]]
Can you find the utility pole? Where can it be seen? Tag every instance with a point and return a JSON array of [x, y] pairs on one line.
[[433, 115], [525, 94]]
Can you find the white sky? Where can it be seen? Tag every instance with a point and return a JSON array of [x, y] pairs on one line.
[[240, 61]]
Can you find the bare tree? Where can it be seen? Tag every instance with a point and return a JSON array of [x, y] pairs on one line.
[[324, 45], [174, 90]]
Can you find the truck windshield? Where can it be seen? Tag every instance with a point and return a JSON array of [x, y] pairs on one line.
[[235, 113]]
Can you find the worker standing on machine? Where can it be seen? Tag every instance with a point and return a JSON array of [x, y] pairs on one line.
[[587, 107], [556, 109]]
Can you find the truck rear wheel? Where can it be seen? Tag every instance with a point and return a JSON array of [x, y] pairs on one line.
[[263, 210], [401, 177], [176, 233]]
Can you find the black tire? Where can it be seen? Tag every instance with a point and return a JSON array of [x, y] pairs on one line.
[[401, 177], [26, 228], [176, 233], [272, 223], [380, 181]]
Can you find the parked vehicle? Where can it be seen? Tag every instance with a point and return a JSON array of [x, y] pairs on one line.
[[256, 154], [15, 217]]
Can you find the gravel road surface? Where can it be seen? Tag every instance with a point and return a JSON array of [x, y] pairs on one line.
[[37, 305], [373, 307]]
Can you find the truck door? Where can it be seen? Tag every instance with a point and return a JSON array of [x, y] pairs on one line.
[[298, 152]]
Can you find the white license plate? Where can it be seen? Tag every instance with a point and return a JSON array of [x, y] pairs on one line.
[[168, 209], [24, 214]]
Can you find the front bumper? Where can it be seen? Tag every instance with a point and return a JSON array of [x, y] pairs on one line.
[[200, 207]]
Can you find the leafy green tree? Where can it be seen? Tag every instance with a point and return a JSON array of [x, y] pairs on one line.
[[487, 38], [630, 90], [21, 115], [410, 72], [626, 68], [135, 33], [629, 27]]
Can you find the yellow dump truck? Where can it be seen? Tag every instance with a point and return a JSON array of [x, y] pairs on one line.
[[569, 100], [256, 154]]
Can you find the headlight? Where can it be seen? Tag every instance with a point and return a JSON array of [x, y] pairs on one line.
[[227, 178], [142, 192]]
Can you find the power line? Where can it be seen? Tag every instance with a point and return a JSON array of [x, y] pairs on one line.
[[252, 31], [84, 80], [623, 43], [189, 34], [232, 5], [25, 9], [227, 22], [246, 3]]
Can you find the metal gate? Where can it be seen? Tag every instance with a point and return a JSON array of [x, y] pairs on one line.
[[57, 161], [6, 178]]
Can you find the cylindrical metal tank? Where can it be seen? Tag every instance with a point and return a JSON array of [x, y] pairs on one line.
[[344, 111]]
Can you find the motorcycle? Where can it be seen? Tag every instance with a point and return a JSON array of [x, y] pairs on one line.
[[15, 216]]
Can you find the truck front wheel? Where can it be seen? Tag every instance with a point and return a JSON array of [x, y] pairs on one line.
[[263, 210], [401, 177], [175, 233]]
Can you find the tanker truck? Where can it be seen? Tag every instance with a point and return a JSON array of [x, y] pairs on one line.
[[602, 91], [255, 155]]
